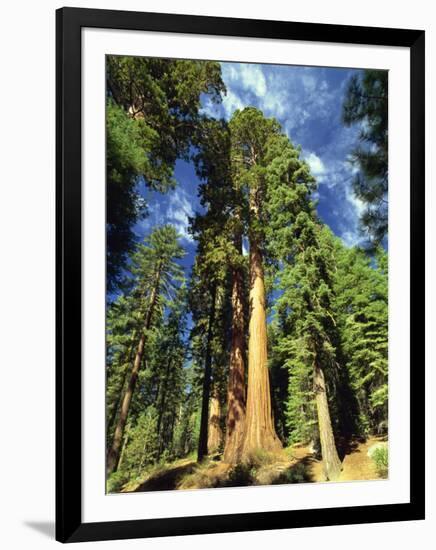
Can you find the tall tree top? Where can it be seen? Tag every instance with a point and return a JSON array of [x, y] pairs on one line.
[[366, 102]]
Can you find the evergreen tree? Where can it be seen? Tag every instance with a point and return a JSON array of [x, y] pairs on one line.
[[361, 304], [206, 301], [156, 273], [250, 134], [168, 364], [302, 250], [366, 103], [222, 195], [305, 314], [152, 116]]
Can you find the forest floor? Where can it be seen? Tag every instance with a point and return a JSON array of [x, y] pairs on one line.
[[295, 464]]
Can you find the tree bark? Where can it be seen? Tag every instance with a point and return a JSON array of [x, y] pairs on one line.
[[259, 431], [161, 408], [120, 392], [331, 463], [215, 433], [202, 440], [235, 419], [113, 455]]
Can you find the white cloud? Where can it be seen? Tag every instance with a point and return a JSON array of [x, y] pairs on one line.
[[357, 204], [178, 212], [350, 238], [353, 209], [316, 165], [245, 246], [232, 102], [246, 76], [309, 83], [275, 103], [209, 108]]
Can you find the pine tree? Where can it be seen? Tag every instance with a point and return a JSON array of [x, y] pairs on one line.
[[366, 103], [361, 304], [207, 296], [168, 364], [223, 198], [156, 273], [153, 112]]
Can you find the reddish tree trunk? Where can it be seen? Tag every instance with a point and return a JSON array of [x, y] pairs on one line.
[[202, 441], [259, 429], [235, 419], [215, 433]]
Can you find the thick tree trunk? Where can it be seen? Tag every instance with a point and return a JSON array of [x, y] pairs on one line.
[[331, 463], [235, 419], [204, 420], [113, 455], [259, 429], [215, 433]]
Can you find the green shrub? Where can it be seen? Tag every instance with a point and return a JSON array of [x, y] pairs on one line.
[[295, 474], [241, 475], [115, 481], [381, 460], [259, 458], [142, 446]]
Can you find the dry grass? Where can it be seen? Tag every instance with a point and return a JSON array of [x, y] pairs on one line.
[[295, 464]]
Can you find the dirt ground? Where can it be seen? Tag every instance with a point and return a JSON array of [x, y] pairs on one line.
[[294, 465], [356, 464]]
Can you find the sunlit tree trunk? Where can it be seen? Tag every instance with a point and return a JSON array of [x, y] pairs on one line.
[[116, 407], [215, 433], [235, 419], [161, 407], [259, 431], [114, 452], [204, 420], [331, 463]]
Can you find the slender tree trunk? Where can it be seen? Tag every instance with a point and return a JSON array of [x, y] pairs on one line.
[[120, 392], [332, 464], [124, 446], [162, 408], [114, 452], [215, 433], [259, 430], [202, 441], [235, 419]]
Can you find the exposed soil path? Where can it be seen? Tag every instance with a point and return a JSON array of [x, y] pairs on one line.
[[356, 464], [293, 465]]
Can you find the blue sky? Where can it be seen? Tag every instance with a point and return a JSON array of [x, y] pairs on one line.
[[307, 102]]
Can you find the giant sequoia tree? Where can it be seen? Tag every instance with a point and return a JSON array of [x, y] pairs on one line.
[[250, 135], [303, 256]]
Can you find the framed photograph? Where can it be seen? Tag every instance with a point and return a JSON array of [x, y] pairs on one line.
[[240, 275]]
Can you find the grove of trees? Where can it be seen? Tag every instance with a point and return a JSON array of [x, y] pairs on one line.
[[278, 333]]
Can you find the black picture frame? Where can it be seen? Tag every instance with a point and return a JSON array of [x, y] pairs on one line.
[[69, 525]]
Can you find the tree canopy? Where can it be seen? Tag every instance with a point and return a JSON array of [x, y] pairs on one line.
[[366, 103], [270, 350]]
